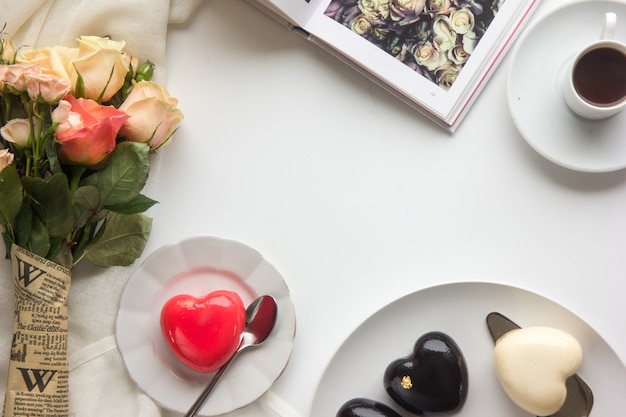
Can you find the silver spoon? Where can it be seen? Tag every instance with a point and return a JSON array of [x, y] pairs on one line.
[[579, 400], [260, 319]]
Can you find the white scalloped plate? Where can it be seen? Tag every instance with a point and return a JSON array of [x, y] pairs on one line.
[[460, 310], [197, 266]]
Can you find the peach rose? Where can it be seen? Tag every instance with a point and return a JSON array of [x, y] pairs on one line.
[[86, 130], [100, 62], [6, 158], [153, 114], [55, 60]]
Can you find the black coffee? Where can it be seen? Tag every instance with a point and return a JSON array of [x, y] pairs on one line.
[[600, 76]]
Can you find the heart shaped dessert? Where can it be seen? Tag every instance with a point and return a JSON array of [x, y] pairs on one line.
[[363, 407], [533, 365], [433, 379], [203, 332]]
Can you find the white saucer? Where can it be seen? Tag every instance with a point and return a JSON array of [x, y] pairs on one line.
[[198, 266], [535, 101], [460, 310]]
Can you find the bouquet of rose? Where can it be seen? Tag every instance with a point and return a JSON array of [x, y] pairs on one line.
[[78, 125]]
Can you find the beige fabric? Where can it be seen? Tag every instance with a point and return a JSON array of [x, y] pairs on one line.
[[141, 23]]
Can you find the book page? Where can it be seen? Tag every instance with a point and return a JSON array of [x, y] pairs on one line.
[[298, 11], [433, 52]]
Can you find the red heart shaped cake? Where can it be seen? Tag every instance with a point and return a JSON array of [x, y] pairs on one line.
[[203, 332]]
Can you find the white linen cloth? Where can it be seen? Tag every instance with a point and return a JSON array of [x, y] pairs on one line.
[[99, 383]]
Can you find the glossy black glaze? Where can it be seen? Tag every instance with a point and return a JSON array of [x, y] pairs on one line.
[[432, 380], [363, 407]]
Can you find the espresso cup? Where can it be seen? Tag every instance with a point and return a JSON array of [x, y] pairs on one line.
[[594, 86]]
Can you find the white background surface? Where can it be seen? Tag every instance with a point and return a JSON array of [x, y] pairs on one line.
[[358, 200]]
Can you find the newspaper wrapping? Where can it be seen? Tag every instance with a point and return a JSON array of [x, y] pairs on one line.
[[38, 367]]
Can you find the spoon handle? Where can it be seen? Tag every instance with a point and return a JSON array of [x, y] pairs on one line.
[[207, 390]]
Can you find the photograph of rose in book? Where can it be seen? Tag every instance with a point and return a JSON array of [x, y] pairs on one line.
[[433, 37]]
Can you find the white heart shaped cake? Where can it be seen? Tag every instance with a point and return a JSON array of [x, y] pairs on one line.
[[533, 364]]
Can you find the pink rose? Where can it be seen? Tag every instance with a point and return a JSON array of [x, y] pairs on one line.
[[12, 77], [153, 114], [86, 130], [46, 88]]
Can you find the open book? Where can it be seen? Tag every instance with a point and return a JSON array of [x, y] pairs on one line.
[[436, 55]]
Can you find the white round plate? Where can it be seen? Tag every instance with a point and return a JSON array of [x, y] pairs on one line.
[[196, 267], [460, 311], [535, 72]]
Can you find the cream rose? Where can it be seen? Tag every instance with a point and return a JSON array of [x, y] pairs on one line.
[[384, 9], [153, 114], [408, 7], [426, 55], [437, 7], [462, 21], [361, 25], [458, 55], [470, 40], [7, 53], [447, 75], [18, 131], [375, 8], [102, 65], [6, 158], [445, 37]]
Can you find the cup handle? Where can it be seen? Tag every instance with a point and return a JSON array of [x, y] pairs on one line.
[[608, 30]]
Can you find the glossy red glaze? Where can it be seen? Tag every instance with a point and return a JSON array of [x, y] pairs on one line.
[[203, 332]]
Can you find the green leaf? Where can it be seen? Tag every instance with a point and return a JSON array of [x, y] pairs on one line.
[[53, 159], [39, 239], [124, 176], [11, 192], [139, 204], [64, 256], [52, 202], [24, 224], [79, 88], [86, 204], [55, 247], [122, 242]]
